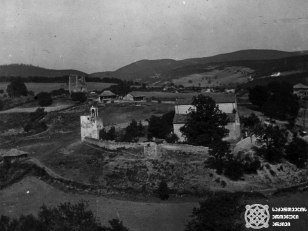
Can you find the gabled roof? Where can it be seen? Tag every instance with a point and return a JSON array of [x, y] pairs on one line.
[[301, 86], [134, 94], [12, 153], [107, 93], [181, 118], [217, 97]]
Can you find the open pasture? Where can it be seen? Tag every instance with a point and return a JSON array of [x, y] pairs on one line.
[[48, 87]]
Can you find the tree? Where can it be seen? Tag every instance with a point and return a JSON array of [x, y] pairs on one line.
[[205, 122], [110, 135], [220, 150], [17, 88], [217, 213], [282, 105], [1, 105], [259, 95], [297, 152], [163, 190], [161, 127], [79, 96], [250, 123], [274, 139], [44, 99]]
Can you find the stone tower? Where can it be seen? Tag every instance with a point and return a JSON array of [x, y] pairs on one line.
[[77, 84], [91, 125]]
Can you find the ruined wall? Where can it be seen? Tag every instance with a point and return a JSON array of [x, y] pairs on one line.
[[184, 148], [112, 145], [90, 127], [77, 84]]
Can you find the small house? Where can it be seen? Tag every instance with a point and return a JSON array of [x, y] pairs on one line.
[[134, 97], [13, 155], [300, 89], [107, 95]]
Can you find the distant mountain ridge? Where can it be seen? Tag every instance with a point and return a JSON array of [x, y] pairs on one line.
[[24, 70], [147, 70], [152, 70]]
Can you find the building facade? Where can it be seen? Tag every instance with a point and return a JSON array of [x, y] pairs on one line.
[[77, 84], [91, 125], [226, 103]]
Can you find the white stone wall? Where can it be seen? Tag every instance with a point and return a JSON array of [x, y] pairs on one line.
[[176, 130], [90, 127], [224, 107]]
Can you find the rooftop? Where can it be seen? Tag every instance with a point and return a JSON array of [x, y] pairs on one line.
[[217, 97], [181, 118], [107, 93], [301, 86], [12, 153]]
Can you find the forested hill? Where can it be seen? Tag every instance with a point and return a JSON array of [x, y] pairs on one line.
[[24, 70]]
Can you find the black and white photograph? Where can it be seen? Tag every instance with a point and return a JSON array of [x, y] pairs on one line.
[[142, 115]]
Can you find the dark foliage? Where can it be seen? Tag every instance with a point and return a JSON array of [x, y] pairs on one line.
[[297, 152], [172, 138], [79, 96], [259, 95], [163, 191], [217, 213], [121, 89], [282, 105], [17, 88], [220, 150], [206, 123], [110, 135], [44, 99], [132, 132], [35, 122], [161, 127], [62, 218], [60, 92], [1, 105], [234, 170]]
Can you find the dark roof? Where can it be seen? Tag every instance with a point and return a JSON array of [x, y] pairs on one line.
[[107, 93], [181, 118], [217, 97], [301, 86]]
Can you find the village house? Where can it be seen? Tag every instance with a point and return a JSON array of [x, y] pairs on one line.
[[106, 96], [134, 97], [226, 103], [300, 90], [13, 155]]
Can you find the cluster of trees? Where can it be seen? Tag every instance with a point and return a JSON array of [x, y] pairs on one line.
[[35, 123], [276, 100], [17, 88], [162, 127], [66, 216], [44, 99], [130, 134], [79, 96], [275, 140]]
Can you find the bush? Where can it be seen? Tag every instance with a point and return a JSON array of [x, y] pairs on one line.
[[79, 96], [1, 105], [234, 170], [163, 191], [44, 99], [17, 88]]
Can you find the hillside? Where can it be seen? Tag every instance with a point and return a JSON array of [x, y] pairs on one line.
[[29, 70], [152, 71]]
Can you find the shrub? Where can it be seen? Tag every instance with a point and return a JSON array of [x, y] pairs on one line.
[[17, 88], [223, 183], [163, 191], [79, 96], [44, 99], [234, 170]]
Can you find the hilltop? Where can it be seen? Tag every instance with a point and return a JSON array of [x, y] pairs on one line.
[[24, 70]]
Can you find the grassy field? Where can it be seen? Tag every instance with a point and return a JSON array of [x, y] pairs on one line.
[[47, 87], [137, 216], [215, 77]]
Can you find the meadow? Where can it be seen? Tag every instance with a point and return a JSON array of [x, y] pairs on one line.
[[48, 87]]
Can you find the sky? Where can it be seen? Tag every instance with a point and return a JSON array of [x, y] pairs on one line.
[[104, 35]]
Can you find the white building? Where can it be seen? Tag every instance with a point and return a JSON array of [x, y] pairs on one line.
[[226, 103], [91, 125], [134, 97]]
